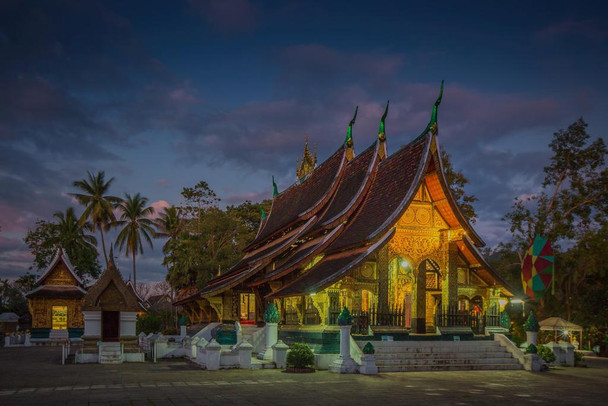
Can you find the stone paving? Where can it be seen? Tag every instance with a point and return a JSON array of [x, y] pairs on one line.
[[34, 376]]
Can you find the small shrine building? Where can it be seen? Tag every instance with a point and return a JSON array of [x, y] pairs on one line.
[[55, 303], [381, 234]]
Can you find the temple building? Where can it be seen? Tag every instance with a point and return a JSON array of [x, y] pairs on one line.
[[55, 302], [381, 234], [110, 310]]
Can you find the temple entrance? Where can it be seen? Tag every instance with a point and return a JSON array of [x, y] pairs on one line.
[[247, 308], [110, 325]]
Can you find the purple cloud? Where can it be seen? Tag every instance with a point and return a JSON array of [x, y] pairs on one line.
[[586, 29], [227, 16]]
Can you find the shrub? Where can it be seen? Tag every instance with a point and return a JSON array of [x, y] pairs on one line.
[[345, 318], [578, 357], [546, 354], [531, 324], [369, 349], [271, 315], [532, 349], [300, 356], [148, 323]]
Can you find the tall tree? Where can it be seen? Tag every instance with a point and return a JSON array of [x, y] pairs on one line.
[[571, 211], [135, 223], [67, 232], [98, 204]]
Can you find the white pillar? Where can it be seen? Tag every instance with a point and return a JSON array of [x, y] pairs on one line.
[[531, 337], [182, 331], [271, 331], [279, 354], [213, 350], [245, 355], [345, 364], [27, 342]]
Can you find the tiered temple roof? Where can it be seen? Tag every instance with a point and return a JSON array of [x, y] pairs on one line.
[[344, 211], [58, 280]]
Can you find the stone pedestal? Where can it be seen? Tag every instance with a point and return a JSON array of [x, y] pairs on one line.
[[182, 331], [212, 359], [345, 364], [27, 342], [193, 347], [271, 331], [568, 350], [368, 365], [279, 354], [200, 351], [531, 337], [244, 349]]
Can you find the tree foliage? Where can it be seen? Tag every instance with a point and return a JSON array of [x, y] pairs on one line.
[[136, 225], [202, 239], [98, 204], [66, 232], [457, 181], [571, 211]]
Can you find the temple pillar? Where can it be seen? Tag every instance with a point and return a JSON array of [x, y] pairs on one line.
[[449, 291], [419, 300], [494, 301], [382, 265]]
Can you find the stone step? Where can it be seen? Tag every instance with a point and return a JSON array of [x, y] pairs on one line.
[[438, 355], [456, 367], [392, 350], [447, 361]]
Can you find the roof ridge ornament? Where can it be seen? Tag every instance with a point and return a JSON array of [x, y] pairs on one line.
[[307, 165], [275, 189], [382, 153], [111, 263], [348, 141]]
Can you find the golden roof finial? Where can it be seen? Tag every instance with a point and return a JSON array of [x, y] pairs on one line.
[[307, 165]]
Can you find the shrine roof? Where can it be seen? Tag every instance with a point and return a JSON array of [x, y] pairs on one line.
[[271, 250], [60, 256], [303, 199], [485, 270], [303, 255], [111, 292], [392, 189], [329, 270], [52, 291], [352, 186]]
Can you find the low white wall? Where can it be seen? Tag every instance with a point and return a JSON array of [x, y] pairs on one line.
[[128, 321], [92, 323]]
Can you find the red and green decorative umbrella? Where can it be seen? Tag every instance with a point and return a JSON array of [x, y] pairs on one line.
[[537, 270]]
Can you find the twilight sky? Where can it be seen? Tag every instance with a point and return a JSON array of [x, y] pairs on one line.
[[161, 96]]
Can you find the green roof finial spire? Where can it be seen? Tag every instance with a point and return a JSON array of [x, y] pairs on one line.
[[349, 133], [263, 214], [433, 123], [275, 190], [382, 129]]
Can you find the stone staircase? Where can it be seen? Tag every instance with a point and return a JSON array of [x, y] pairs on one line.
[[111, 353], [405, 356]]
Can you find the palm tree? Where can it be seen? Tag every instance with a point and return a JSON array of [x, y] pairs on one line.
[[80, 246], [135, 225], [168, 225], [98, 205], [72, 234]]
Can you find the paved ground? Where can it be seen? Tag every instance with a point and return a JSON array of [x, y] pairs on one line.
[[34, 376]]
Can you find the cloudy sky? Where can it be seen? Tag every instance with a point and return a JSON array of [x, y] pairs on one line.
[[161, 96]]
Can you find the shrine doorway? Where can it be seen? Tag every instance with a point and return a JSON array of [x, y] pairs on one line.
[[110, 325]]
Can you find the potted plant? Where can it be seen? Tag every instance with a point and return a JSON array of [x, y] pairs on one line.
[[300, 358], [531, 327]]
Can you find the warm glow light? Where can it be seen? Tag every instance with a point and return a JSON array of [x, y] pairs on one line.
[[516, 301], [502, 302], [404, 263]]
